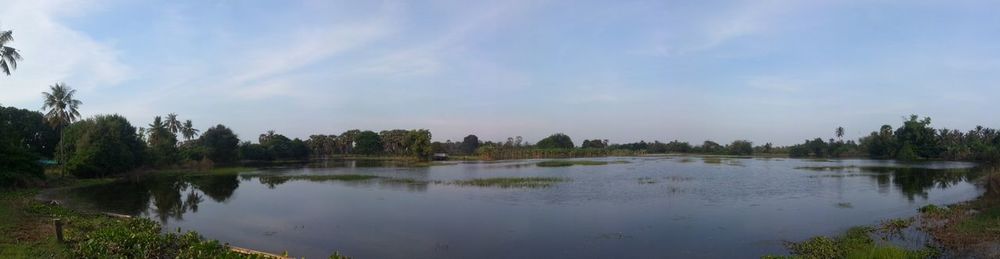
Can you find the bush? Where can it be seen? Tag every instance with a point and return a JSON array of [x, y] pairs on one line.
[[142, 238], [220, 144], [100, 146]]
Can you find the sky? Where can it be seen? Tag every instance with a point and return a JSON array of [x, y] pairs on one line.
[[766, 71]]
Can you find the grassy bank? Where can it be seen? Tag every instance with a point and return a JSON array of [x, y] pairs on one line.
[[969, 229]]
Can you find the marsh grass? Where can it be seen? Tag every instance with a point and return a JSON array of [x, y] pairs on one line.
[[511, 182], [561, 163]]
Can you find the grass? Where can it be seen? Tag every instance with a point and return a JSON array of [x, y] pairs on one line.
[[511, 182], [561, 163]]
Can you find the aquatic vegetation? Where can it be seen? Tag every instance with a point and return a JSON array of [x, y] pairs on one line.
[[646, 180], [677, 178], [561, 163], [845, 205], [856, 243], [403, 181], [511, 182], [933, 210], [322, 178], [712, 160], [894, 227]]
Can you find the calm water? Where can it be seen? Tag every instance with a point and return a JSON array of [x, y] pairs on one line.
[[651, 207]]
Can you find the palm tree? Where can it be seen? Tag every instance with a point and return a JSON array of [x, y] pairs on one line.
[[156, 130], [839, 132], [62, 107], [188, 130], [173, 124], [8, 55]]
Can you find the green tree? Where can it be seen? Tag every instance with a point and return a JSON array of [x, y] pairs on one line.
[[162, 144], [839, 132], [741, 147], [173, 124], [63, 108], [221, 144], [8, 54], [29, 130], [557, 140], [418, 143], [596, 143], [917, 136], [101, 146], [189, 131], [368, 143]]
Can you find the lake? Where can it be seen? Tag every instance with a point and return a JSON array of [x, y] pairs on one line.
[[636, 207]]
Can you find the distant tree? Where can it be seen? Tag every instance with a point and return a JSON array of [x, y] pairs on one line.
[[557, 140], [101, 146], [418, 142], [253, 152], [61, 105], [221, 144], [173, 124], [368, 143], [596, 143], [189, 131], [162, 144], [710, 147], [917, 139], [740, 147], [839, 132], [469, 144], [8, 54]]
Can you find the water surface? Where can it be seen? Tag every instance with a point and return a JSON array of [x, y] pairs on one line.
[[650, 207]]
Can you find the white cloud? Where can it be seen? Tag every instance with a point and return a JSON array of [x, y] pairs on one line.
[[54, 52]]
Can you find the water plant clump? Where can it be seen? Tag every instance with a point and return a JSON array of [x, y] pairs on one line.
[[561, 163], [856, 243], [512, 182]]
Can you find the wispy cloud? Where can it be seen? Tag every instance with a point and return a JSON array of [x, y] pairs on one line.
[[54, 52]]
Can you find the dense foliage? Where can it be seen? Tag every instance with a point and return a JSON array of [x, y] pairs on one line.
[[100, 146], [914, 140], [24, 139], [557, 140], [220, 144]]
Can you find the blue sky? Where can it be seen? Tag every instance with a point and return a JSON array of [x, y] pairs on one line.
[[767, 71]]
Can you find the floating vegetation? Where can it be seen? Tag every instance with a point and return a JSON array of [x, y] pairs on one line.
[[845, 205], [894, 227], [323, 178], [511, 182], [561, 163], [712, 160], [856, 243], [933, 210], [827, 168], [403, 181], [686, 160], [677, 178], [646, 180]]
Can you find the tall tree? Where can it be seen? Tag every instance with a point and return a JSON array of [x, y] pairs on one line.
[[557, 140], [61, 105], [839, 132], [8, 55], [189, 131], [469, 144], [173, 124]]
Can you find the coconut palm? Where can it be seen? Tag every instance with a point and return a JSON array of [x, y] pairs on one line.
[[8, 55], [173, 124], [839, 132], [62, 107], [188, 130]]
